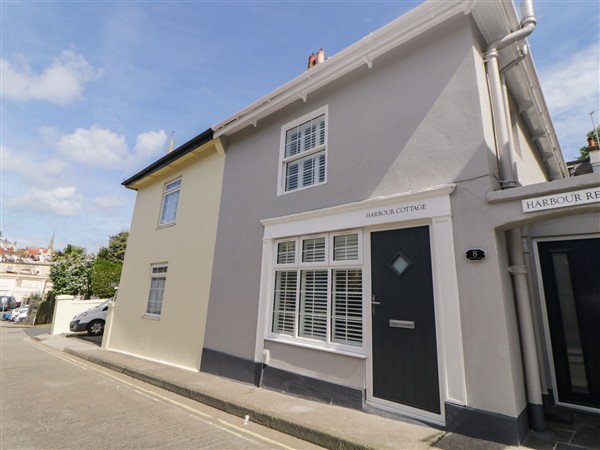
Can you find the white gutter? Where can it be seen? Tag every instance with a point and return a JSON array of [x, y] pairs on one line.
[[499, 109]]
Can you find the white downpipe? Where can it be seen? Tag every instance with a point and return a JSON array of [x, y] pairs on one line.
[[499, 108], [518, 269]]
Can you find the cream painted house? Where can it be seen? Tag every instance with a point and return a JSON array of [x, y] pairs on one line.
[[165, 284]]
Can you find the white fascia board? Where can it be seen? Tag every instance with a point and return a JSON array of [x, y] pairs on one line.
[[422, 18]]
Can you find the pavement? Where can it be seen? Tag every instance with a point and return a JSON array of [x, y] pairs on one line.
[[326, 425]]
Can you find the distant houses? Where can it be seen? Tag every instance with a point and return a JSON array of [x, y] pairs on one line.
[[24, 271]]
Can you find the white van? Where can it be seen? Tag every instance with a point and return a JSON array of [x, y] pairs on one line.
[[92, 320]]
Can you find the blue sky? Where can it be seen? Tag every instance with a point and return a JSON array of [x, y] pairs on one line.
[[92, 90]]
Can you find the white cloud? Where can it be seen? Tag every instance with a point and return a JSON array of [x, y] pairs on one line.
[[573, 82], [108, 202], [62, 82], [103, 148], [572, 90], [94, 147], [32, 168], [149, 145], [61, 201]]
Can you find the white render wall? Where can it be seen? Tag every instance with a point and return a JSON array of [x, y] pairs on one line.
[[420, 117], [65, 308]]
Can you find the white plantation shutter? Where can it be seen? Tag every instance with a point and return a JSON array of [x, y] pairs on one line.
[[284, 309], [318, 295], [313, 250], [304, 154], [313, 304], [286, 252], [347, 323], [345, 247], [305, 136], [305, 171]]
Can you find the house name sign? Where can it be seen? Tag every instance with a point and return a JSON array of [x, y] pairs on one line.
[[561, 200], [400, 210]]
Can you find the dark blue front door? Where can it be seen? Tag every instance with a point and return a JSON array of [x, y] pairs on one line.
[[405, 368]]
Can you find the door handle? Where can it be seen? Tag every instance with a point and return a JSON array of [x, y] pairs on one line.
[[373, 304]]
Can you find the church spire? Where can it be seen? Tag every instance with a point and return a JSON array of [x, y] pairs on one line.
[[170, 149]]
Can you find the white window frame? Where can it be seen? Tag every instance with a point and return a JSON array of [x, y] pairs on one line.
[[156, 272], [167, 191], [285, 161], [330, 266]]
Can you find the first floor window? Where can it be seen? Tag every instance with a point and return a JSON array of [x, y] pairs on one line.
[[158, 278], [170, 202], [318, 298], [303, 158]]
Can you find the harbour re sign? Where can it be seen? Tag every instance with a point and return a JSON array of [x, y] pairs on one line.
[[561, 200]]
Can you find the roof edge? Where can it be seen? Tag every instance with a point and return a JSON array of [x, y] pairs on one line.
[[203, 138], [363, 52]]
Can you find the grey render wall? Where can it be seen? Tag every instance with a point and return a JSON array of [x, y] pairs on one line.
[[419, 117]]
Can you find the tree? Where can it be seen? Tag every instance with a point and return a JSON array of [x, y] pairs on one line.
[[585, 151], [106, 271], [70, 252], [71, 272], [116, 247], [105, 277]]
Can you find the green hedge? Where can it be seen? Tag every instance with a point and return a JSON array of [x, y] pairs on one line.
[[45, 312], [105, 277]]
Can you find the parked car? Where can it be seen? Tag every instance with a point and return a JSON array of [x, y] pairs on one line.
[[22, 316], [7, 302], [16, 312], [92, 320]]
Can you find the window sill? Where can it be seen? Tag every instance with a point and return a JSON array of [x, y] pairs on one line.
[[359, 354], [146, 316], [166, 225], [303, 188]]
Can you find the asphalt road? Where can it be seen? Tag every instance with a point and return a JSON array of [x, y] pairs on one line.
[[53, 400]]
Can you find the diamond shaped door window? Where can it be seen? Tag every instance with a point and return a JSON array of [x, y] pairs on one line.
[[400, 264]]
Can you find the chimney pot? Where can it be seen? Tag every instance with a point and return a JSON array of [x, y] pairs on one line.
[[320, 56]]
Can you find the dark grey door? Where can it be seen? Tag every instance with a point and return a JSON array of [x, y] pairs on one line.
[[571, 279], [405, 368]]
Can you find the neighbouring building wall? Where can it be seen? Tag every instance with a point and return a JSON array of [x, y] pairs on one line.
[[187, 247], [24, 279], [529, 169]]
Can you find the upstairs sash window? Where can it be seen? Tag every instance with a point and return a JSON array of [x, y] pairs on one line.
[[303, 160], [170, 202]]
